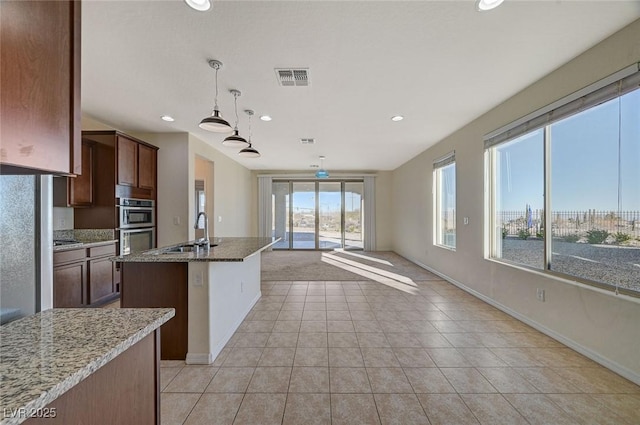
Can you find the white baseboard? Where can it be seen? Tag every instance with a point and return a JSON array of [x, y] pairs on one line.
[[208, 358], [587, 352], [199, 358]]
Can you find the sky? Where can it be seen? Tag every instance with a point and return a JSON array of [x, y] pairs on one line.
[[329, 200], [584, 162]]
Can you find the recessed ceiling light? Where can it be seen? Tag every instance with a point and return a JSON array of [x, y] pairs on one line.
[[483, 5], [397, 118], [167, 118], [265, 118], [199, 5]]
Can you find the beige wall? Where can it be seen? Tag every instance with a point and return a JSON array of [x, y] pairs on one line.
[[205, 172], [230, 193], [595, 322], [383, 211], [173, 225], [177, 158]]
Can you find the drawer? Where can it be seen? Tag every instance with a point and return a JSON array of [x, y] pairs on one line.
[[98, 251], [69, 256]]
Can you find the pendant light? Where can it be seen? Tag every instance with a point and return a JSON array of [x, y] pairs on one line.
[[249, 151], [235, 140], [322, 173], [215, 122]]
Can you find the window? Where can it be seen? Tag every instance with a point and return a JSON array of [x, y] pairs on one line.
[[519, 202], [444, 174], [580, 162]]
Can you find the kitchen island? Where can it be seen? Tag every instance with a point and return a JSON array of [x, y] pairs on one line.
[[211, 290], [82, 366]]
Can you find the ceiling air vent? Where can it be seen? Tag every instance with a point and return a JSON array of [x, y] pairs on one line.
[[293, 77], [307, 141]]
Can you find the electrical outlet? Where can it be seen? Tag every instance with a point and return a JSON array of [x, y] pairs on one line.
[[540, 294], [241, 287], [465, 220], [219, 219], [63, 223], [176, 220]]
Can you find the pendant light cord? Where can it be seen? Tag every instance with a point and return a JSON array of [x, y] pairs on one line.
[[215, 100], [235, 100], [250, 115]]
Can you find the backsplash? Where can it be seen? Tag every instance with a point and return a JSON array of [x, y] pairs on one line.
[[85, 235], [62, 218]]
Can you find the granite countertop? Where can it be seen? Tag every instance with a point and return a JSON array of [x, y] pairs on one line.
[[82, 244], [48, 353], [227, 249], [86, 238]]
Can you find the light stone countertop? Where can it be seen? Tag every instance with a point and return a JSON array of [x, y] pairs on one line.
[[83, 244], [87, 238], [227, 249], [44, 355]]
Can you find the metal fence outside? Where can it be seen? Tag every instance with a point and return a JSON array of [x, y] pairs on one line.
[[570, 223]]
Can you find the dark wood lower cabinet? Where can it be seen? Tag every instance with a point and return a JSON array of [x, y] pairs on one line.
[[69, 285], [84, 277], [125, 391], [101, 284], [160, 285]]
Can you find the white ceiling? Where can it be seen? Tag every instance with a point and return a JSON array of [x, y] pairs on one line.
[[441, 64]]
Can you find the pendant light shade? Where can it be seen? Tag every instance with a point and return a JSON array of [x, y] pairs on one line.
[[215, 122], [322, 173], [249, 151], [235, 140]]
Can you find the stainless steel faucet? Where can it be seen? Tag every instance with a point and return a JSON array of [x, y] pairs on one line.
[[205, 239]]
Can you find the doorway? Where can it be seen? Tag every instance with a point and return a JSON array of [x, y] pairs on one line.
[[318, 215]]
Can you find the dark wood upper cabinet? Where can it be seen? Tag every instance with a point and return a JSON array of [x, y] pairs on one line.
[[124, 167], [40, 86], [76, 191], [81, 187], [127, 152], [147, 160]]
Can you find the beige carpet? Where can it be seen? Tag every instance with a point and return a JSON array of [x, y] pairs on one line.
[[339, 265]]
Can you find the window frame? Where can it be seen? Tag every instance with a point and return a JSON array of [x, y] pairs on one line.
[[625, 81]]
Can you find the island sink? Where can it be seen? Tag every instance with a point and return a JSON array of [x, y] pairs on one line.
[[185, 248], [211, 290]]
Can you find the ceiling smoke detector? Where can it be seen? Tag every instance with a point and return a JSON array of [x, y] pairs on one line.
[[293, 77], [308, 141]]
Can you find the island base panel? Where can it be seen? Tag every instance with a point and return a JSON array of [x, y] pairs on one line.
[[152, 285], [125, 391]]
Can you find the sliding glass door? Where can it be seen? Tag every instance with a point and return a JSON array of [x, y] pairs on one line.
[[353, 215], [330, 215], [280, 214], [318, 214], [303, 215]]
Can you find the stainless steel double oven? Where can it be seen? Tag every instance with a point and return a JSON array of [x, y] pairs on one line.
[[137, 225]]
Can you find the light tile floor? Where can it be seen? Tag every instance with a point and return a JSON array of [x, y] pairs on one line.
[[363, 353]]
